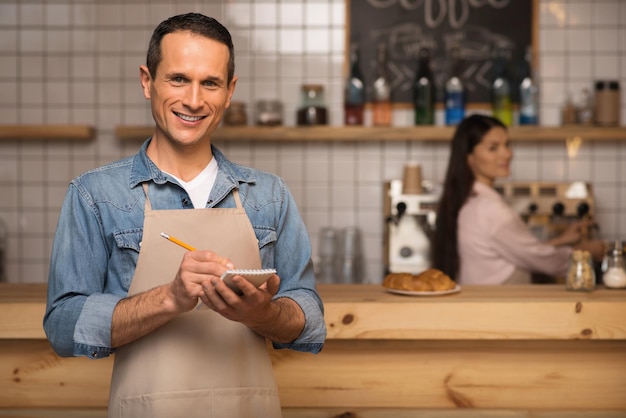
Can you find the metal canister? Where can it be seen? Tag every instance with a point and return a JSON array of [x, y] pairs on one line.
[[607, 103]]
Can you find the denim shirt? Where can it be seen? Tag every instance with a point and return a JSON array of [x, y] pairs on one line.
[[97, 243]]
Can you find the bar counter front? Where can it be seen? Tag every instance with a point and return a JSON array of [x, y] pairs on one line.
[[489, 351]]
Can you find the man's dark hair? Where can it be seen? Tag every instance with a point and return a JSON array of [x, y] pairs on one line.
[[195, 23]]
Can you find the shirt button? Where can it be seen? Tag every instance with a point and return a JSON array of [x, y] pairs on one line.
[[185, 201], [94, 354]]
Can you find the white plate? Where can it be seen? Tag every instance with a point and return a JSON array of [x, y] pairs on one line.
[[456, 288]]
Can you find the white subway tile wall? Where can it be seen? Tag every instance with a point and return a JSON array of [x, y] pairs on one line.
[[76, 61]]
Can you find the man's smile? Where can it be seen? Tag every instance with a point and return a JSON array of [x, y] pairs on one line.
[[188, 118]]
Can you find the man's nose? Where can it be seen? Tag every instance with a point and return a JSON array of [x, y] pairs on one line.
[[193, 96]]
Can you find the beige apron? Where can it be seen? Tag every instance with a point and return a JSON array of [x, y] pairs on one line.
[[199, 364]]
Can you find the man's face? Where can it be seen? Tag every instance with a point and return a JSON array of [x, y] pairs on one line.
[[189, 91]]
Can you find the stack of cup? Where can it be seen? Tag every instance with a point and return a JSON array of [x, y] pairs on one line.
[[412, 178], [327, 253], [340, 257], [349, 261]]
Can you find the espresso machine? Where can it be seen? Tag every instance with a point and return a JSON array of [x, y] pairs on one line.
[[410, 209], [549, 208]]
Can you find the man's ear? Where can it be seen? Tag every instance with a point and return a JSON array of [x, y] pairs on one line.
[[144, 76], [231, 91]]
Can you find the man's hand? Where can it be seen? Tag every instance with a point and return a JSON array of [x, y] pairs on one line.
[[140, 314], [280, 320], [196, 268]]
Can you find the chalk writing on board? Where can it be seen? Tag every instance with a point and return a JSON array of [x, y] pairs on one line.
[[476, 27]]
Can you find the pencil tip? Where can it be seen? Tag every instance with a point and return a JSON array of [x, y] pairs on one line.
[[164, 235]]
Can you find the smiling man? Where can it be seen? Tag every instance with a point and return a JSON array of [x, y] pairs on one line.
[[116, 286]]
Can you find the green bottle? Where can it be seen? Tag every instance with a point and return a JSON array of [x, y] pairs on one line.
[[501, 104], [424, 90]]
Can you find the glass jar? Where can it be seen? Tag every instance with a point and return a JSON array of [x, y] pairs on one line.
[[312, 109], [614, 275], [236, 114], [580, 274], [269, 113]]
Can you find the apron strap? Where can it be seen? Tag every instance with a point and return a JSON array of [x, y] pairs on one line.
[[237, 200], [147, 206]]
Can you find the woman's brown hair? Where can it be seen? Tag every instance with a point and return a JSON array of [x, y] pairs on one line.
[[456, 189]]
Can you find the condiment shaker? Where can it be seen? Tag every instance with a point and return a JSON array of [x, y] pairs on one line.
[[580, 274], [614, 275], [607, 107]]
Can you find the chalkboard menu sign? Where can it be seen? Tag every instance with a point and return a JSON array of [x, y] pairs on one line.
[[474, 28]]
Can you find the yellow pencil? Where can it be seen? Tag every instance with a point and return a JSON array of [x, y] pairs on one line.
[[177, 241]]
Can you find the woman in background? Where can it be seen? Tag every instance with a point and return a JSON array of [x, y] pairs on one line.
[[479, 238]]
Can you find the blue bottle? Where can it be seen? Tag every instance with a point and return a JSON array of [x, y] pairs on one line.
[[454, 94], [528, 93]]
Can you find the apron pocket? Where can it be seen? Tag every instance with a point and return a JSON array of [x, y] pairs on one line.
[[209, 403]]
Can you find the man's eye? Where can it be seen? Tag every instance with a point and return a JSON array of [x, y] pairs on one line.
[[178, 79]]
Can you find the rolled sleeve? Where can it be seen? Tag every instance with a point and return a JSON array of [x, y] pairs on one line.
[[92, 335], [314, 333]]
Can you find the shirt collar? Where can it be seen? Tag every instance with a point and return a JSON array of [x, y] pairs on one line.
[[143, 169], [482, 189]]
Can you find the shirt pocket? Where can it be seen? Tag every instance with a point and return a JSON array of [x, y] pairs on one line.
[[267, 240], [125, 255]]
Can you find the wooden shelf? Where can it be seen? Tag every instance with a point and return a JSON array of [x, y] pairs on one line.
[[363, 133], [47, 132]]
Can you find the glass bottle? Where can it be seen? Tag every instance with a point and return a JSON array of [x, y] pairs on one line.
[[501, 89], [381, 98], [580, 273], [568, 111], [454, 96], [614, 275], [312, 109], [354, 100], [528, 93], [424, 90]]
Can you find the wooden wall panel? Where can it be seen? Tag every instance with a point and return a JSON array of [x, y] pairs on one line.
[[368, 374]]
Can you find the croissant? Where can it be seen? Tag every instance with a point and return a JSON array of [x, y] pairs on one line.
[[430, 280]]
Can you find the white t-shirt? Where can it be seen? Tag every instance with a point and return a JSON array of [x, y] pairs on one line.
[[493, 241], [200, 187]]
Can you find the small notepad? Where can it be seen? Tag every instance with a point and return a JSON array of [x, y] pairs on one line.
[[256, 277]]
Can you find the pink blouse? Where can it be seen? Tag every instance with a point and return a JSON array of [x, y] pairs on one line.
[[493, 241]]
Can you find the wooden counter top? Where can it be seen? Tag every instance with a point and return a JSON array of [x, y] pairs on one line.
[[533, 312], [535, 350]]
